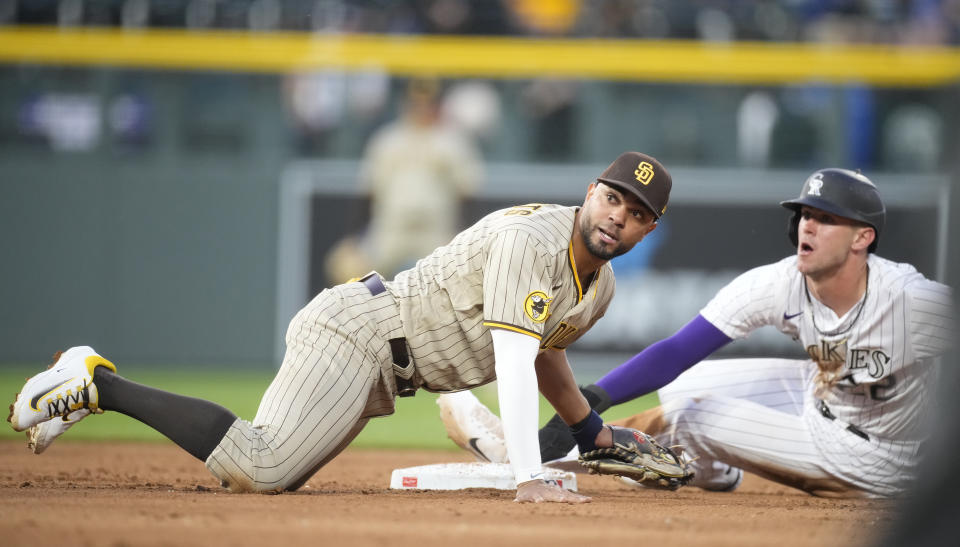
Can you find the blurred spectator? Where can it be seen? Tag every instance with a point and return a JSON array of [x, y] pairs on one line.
[[912, 139], [715, 25], [545, 16], [756, 117], [417, 170], [323, 104], [681, 131], [846, 21], [551, 105], [860, 124], [798, 139], [68, 122], [315, 101], [130, 118], [473, 106], [623, 19]]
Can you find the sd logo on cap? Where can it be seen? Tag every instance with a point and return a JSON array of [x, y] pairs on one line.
[[642, 176]]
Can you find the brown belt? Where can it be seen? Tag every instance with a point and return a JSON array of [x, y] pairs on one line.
[[398, 346]]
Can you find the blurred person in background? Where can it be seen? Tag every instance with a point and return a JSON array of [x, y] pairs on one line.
[[417, 171]]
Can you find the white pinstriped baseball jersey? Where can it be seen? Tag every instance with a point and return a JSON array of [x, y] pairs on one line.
[[873, 368], [514, 269]]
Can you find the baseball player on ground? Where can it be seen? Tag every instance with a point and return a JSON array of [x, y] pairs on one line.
[[848, 421], [501, 301]]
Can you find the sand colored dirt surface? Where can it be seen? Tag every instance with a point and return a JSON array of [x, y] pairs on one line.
[[156, 494]]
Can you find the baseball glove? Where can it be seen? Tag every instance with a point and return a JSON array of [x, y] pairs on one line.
[[638, 456]]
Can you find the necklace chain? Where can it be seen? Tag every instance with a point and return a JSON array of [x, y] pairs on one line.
[[813, 318]]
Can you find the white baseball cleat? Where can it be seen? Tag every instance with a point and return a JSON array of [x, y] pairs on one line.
[[42, 435], [61, 390], [729, 481], [473, 427]]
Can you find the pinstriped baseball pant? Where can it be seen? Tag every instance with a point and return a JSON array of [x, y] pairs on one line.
[[335, 375], [748, 413]]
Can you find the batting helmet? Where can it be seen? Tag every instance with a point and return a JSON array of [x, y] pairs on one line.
[[841, 192]]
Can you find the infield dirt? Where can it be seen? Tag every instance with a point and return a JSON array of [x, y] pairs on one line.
[[156, 494]]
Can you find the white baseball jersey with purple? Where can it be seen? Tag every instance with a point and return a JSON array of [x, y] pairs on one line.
[[849, 420]]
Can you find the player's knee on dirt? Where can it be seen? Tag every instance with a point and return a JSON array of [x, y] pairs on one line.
[[246, 460]]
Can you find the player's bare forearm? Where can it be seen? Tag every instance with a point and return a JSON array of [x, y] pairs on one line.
[[537, 491], [556, 382]]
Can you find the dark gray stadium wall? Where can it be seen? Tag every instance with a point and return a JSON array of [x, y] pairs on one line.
[[165, 254]]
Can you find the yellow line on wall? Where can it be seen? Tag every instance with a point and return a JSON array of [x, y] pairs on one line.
[[491, 57]]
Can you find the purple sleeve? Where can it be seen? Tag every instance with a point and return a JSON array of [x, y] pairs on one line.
[[663, 361]]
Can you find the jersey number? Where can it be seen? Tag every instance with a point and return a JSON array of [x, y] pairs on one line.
[[559, 336], [523, 210], [878, 391]]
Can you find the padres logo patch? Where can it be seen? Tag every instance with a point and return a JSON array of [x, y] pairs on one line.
[[537, 306]]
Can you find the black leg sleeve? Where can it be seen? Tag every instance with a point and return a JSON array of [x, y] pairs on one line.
[[555, 437], [194, 424]]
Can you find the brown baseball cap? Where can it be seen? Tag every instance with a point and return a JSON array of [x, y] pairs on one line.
[[643, 176]]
